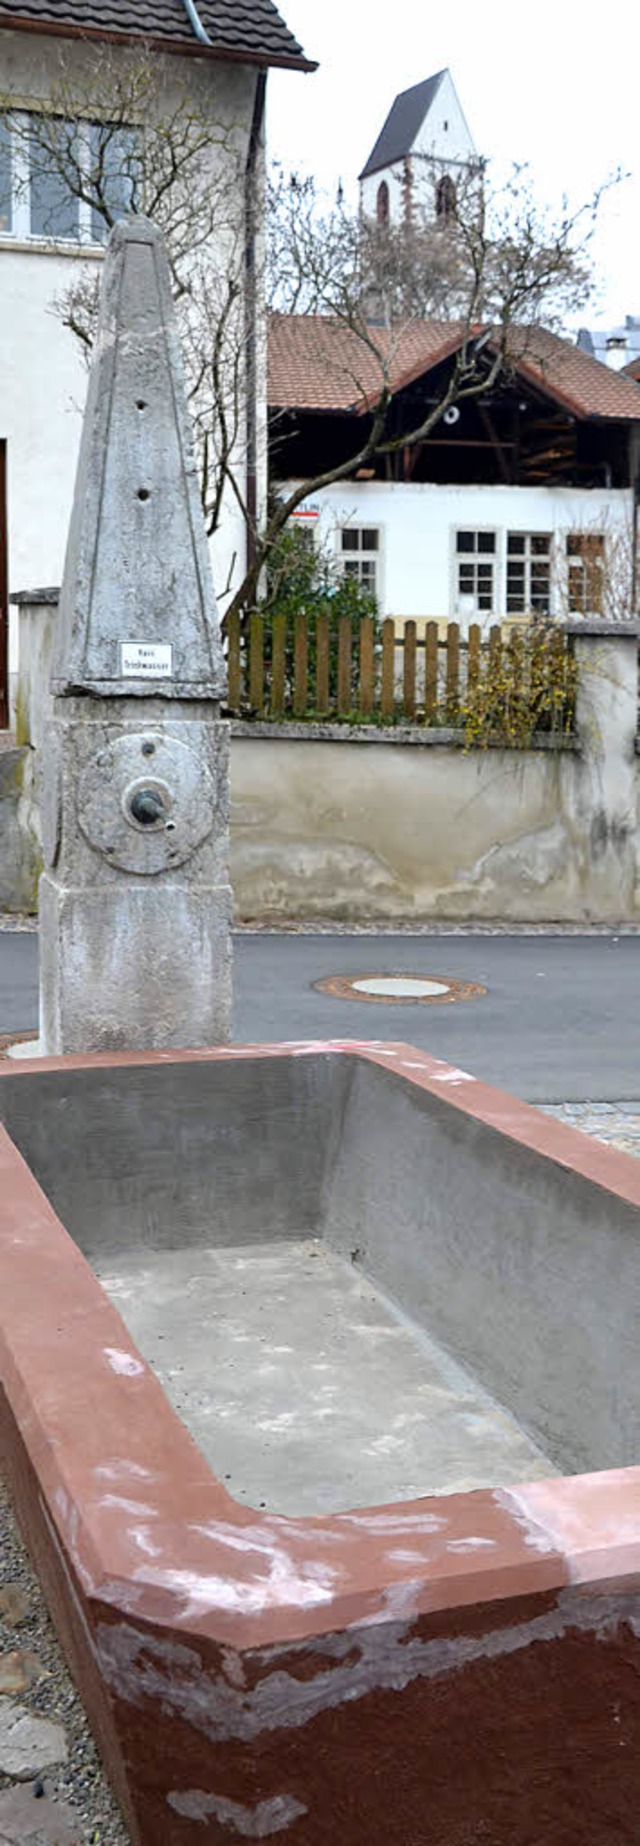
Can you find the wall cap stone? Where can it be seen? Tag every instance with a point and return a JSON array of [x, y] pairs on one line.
[[418, 734], [610, 631], [50, 597]]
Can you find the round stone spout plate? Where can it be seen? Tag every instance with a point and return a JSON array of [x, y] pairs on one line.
[[146, 764]]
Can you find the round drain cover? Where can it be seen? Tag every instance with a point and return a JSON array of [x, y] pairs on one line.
[[399, 989]]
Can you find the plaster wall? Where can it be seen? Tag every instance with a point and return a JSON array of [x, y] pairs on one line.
[[395, 830], [20, 858], [418, 827], [43, 377], [418, 523], [445, 133]]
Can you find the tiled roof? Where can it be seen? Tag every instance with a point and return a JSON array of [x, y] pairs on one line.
[[319, 364], [251, 29], [583, 385], [403, 123], [632, 370]]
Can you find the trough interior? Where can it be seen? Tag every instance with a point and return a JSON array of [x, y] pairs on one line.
[[352, 1290]]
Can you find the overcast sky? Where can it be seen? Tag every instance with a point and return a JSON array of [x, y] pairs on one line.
[[538, 84]]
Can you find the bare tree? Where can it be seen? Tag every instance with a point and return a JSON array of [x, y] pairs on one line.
[[496, 269], [124, 140]]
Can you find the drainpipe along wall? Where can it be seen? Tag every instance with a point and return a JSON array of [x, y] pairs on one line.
[[251, 311]]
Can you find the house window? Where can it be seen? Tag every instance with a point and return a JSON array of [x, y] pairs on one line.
[[585, 572], [359, 555], [382, 203], [45, 163], [446, 197], [53, 204], [113, 172], [528, 573], [475, 570]]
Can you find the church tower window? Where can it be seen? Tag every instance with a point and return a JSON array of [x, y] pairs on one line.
[[382, 203], [446, 197]]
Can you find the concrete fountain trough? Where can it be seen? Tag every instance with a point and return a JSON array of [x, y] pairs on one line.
[[283, 1332]]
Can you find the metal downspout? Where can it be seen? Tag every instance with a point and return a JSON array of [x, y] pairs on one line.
[[196, 24], [251, 293], [251, 314], [634, 482]]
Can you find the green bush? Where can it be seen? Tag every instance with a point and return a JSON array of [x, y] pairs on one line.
[[529, 688], [304, 579]]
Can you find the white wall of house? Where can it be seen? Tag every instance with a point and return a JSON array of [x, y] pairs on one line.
[[42, 374], [417, 560], [444, 144]]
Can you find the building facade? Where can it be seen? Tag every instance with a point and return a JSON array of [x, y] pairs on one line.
[[50, 238], [520, 504]]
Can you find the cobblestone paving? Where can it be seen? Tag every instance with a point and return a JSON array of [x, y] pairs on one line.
[[617, 1123]]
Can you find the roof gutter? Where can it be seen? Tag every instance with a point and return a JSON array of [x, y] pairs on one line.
[[172, 47]]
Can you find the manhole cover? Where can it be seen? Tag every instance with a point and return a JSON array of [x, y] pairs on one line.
[[398, 989]]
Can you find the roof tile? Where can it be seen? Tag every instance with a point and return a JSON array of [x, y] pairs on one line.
[[234, 26], [319, 364]]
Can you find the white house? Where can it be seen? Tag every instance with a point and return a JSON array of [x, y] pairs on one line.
[[422, 155], [521, 503], [217, 56]]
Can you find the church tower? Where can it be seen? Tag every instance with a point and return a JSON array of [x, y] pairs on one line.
[[423, 155]]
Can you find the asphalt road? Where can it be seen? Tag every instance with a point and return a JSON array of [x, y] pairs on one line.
[[560, 1020]]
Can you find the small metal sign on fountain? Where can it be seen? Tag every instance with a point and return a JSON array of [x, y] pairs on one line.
[[135, 904]]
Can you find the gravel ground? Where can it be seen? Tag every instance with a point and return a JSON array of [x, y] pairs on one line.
[[72, 1802]]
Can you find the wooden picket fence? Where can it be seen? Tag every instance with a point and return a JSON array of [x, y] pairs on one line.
[[365, 672]]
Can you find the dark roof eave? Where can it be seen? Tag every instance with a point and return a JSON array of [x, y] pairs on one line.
[[315, 410], [266, 60]]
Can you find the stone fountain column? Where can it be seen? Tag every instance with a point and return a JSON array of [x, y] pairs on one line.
[[135, 904]]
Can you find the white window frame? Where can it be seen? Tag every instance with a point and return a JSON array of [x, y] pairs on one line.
[[344, 556], [529, 563], [580, 563], [476, 614], [21, 232]]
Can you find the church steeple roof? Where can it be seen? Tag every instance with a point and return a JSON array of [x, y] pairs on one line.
[[403, 123]]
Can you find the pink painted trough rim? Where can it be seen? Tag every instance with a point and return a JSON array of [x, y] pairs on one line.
[[143, 1520]]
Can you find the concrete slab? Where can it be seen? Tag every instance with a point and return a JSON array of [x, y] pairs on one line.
[[304, 1386]]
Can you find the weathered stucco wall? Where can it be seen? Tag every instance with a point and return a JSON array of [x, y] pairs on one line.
[[420, 828], [20, 857], [390, 829]]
